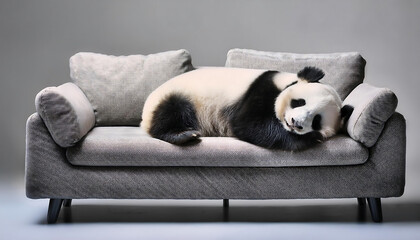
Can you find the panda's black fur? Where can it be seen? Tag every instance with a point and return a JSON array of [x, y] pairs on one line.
[[176, 120], [253, 118], [311, 74]]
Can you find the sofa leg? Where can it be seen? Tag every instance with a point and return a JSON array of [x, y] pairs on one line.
[[67, 203], [225, 210], [361, 202], [375, 209], [361, 216], [53, 210], [225, 203]]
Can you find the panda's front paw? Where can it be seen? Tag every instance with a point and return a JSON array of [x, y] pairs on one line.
[[186, 137]]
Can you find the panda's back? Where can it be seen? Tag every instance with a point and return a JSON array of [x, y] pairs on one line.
[[210, 90], [224, 83]]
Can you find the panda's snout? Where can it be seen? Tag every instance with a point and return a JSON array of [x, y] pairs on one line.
[[296, 124]]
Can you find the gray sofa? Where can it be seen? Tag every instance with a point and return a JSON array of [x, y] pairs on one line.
[[84, 140]]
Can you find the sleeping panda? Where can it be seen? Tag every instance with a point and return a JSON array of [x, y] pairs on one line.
[[271, 109]]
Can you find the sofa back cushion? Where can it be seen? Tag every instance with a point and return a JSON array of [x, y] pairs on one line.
[[373, 106], [117, 86], [343, 71]]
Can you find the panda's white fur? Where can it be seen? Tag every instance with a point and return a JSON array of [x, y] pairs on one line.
[[213, 95]]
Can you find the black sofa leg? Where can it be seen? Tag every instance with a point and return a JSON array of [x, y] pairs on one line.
[[225, 203], [361, 202], [375, 209], [53, 210], [361, 216], [67, 203], [226, 210]]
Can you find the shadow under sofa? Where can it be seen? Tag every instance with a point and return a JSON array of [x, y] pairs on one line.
[[122, 162]]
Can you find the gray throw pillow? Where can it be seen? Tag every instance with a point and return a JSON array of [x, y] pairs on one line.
[[117, 86], [372, 108], [66, 112], [343, 71]]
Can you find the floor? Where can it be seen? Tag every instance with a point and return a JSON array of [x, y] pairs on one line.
[[22, 218]]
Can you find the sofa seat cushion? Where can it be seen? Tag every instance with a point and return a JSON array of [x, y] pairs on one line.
[[131, 146]]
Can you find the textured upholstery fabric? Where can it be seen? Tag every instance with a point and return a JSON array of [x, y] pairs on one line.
[[343, 71], [117, 87], [50, 175], [131, 146], [67, 113], [372, 108]]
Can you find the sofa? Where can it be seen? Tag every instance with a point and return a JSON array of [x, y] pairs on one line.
[[84, 141]]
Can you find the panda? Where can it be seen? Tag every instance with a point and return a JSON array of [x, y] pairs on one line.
[[271, 109]]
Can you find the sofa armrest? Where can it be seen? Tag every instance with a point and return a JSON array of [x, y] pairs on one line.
[[387, 158], [42, 156], [67, 113], [373, 106]]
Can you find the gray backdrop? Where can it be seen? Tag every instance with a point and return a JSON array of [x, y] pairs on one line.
[[37, 37]]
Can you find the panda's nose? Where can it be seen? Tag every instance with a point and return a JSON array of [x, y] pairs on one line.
[[296, 124]]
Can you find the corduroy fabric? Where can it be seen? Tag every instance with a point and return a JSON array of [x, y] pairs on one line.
[[131, 146], [50, 175], [66, 112], [117, 86], [372, 108], [343, 71]]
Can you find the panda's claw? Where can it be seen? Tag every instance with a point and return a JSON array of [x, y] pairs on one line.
[[195, 134]]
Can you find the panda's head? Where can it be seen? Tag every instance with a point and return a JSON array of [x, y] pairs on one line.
[[308, 105]]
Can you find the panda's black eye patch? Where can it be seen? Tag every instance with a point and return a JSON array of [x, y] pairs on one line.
[[297, 103], [316, 122]]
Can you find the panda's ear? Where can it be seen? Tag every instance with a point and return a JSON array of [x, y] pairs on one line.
[[311, 74], [345, 114]]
